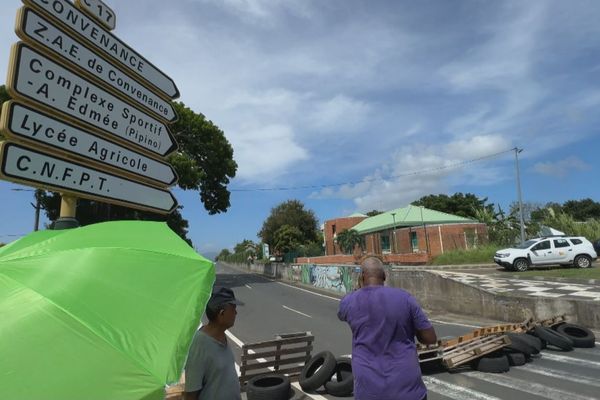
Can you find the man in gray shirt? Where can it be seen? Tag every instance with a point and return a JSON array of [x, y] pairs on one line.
[[210, 368]]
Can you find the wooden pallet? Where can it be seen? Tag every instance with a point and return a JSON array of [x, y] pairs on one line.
[[286, 354], [464, 352], [550, 322]]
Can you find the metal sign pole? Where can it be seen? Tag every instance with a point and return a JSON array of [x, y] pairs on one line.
[[68, 209]]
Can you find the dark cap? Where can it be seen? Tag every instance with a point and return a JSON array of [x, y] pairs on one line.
[[221, 296]]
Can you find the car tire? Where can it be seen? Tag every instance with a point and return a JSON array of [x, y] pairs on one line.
[[533, 341], [318, 370], [344, 386], [522, 344], [515, 359], [579, 335], [520, 264], [268, 387], [554, 338], [493, 362], [582, 261]]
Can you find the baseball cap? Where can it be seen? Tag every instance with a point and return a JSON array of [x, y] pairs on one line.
[[221, 296]]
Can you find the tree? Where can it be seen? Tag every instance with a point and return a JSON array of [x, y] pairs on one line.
[[204, 163], [582, 210], [348, 239], [460, 204], [373, 213], [223, 254], [293, 214], [287, 238]]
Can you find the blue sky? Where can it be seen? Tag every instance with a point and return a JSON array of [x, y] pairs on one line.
[[324, 92]]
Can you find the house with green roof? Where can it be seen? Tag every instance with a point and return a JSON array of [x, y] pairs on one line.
[[407, 230]]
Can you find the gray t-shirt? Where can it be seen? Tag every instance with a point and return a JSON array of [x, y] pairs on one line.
[[210, 368]]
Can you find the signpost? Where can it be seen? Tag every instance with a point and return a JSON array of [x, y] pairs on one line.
[[99, 11], [104, 41], [90, 116], [33, 167], [34, 76], [37, 31], [23, 123]]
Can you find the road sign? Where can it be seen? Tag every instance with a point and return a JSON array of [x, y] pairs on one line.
[[33, 167], [39, 32], [99, 11], [21, 122], [65, 12], [35, 77]]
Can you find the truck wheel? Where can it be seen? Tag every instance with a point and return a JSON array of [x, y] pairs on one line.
[[583, 261], [520, 264]]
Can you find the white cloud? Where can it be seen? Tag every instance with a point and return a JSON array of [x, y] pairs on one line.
[[561, 168]]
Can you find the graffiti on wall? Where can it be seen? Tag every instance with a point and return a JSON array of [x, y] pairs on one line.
[[329, 277]]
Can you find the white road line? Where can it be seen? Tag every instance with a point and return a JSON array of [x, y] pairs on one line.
[[308, 291], [553, 373], [239, 343], [453, 391], [537, 389], [248, 286], [571, 360], [453, 323], [296, 311]]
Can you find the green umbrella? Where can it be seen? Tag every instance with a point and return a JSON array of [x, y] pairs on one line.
[[102, 312]]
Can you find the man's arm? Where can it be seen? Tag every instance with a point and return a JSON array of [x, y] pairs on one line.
[[427, 336]]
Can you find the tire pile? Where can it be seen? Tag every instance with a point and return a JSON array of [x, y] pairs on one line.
[[323, 370], [526, 346]]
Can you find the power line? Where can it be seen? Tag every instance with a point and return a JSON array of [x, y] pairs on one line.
[[391, 177]]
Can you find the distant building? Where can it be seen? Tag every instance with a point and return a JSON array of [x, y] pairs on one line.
[[404, 235]]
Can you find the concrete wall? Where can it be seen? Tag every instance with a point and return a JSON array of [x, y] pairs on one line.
[[436, 293]]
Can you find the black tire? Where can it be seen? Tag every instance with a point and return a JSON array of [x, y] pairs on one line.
[[318, 370], [532, 344], [579, 335], [582, 261], [521, 264], [268, 387], [553, 338], [493, 362], [344, 386], [515, 359]]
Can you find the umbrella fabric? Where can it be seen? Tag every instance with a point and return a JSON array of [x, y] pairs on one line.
[[105, 311]]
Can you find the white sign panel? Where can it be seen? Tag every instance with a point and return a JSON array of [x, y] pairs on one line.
[[25, 123], [65, 12], [33, 167], [99, 11], [34, 29], [35, 77]]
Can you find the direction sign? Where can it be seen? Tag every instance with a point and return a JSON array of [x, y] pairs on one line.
[[99, 11], [33, 167], [21, 122], [65, 12], [36, 30], [35, 77]]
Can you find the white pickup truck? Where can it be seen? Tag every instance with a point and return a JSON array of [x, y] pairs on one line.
[[559, 250]]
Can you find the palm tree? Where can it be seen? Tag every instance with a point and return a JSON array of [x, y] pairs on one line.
[[348, 239]]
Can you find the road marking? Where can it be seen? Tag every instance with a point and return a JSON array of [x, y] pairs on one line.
[[248, 286], [553, 373], [239, 343], [571, 360], [296, 311], [453, 323], [307, 291], [453, 391], [533, 388]]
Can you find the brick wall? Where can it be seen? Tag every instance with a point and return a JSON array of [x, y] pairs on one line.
[[340, 224]]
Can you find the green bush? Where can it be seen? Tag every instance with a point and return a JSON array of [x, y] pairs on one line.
[[479, 255]]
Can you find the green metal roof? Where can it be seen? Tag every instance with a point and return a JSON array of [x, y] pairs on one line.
[[407, 216]]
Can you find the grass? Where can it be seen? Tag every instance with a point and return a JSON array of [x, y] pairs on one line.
[[562, 272], [480, 255]]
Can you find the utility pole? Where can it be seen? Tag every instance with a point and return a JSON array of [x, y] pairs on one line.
[[394, 233], [521, 219]]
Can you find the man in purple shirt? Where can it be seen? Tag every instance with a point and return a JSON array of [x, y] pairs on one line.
[[384, 322]]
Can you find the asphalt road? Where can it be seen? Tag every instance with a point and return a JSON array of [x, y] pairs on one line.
[[275, 307]]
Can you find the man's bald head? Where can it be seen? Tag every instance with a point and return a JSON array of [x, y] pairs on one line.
[[372, 271]]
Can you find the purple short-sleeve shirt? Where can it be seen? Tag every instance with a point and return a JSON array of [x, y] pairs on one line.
[[385, 364]]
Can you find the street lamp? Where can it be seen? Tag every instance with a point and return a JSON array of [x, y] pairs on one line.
[[37, 206], [521, 219], [394, 232]]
